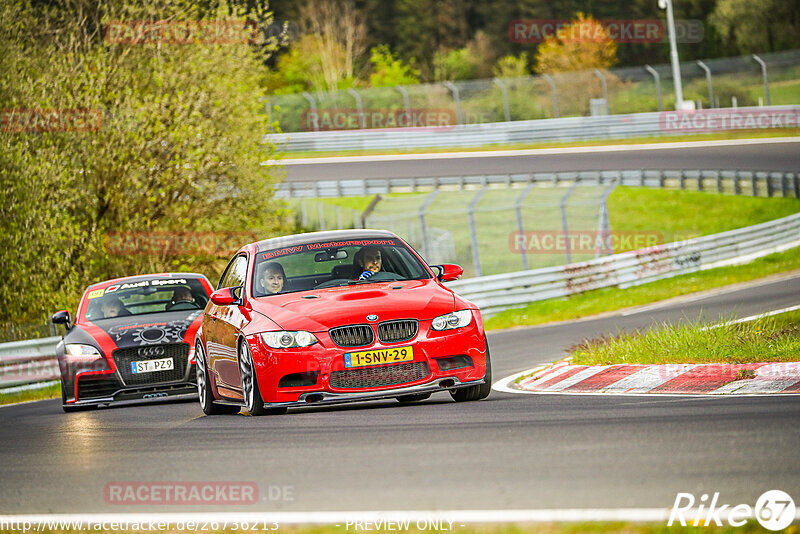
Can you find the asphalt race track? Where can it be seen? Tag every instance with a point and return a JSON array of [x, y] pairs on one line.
[[507, 452], [766, 155]]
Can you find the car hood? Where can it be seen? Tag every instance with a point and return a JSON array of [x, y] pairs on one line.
[[316, 311], [150, 329]]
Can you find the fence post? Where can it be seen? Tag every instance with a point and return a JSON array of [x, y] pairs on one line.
[[683, 179], [304, 211], [321, 212], [604, 223], [719, 181], [737, 187], [339, 217], [504, 91], [753, 184], [473, 230], [406, 102], [764, 75], [602, 77], [708, 82], [456, 99], [313, 104], [520, 225], [796, 185], [359, 107], [370, 208], [562, 206], [657, 80], [552, 83], [700, 178], [768, 179], [356, 219], [425, 205]]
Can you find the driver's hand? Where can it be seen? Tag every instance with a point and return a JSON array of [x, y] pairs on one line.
[[365, 275]]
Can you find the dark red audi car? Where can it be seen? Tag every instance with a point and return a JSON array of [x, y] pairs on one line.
[[332, 317], [132, 340]]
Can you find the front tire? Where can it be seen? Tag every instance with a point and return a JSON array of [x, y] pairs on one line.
[[204, 386], [253, 402], [481, 391]]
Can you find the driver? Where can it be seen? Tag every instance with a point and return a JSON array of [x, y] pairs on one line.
[[367, 261], [181, 294]]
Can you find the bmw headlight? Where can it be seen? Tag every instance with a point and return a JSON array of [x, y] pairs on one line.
[[450, 321], [287, 340]]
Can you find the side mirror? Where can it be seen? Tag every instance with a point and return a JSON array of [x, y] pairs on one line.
[[225, 296], [62, 317], [449, 272]]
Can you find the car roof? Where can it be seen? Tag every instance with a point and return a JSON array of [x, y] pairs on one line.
[[312, 237]]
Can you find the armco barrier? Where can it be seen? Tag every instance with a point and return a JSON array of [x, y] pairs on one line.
[[503, 133], [499, 292], [28, 362], [753, 183]]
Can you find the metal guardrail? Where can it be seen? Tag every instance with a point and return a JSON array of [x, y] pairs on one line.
[[28, 362], [753, 183], [500, 292], [503, 133]]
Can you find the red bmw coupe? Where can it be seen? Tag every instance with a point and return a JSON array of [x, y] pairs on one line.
[[332, 317]]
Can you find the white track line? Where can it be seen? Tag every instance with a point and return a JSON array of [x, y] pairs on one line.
[[444, 517], [754, 317], [532, 152]]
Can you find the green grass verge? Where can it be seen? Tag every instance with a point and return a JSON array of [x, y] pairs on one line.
[[770, 339], [49, 392], [609, 299], [722, 136]]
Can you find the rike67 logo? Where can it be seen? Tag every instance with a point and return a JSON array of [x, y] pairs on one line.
[[774, 510]]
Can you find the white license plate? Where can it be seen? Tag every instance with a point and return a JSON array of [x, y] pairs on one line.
[[148, 366]]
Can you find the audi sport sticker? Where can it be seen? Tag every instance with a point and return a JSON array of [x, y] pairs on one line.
[[145, 283]]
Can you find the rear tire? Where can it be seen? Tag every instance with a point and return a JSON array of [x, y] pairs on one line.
[[204, 387], [253, 402], [481, 391]]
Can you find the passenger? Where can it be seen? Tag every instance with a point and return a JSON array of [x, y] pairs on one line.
[[112, 307], [367, 262], [273, 278]]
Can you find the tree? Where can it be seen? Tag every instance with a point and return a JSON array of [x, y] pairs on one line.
[[582, 44], [389, 71], [339, 33], [178, 148], [758, 27]]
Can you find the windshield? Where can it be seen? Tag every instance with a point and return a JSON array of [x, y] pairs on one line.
[[146, 296], [334, 263]]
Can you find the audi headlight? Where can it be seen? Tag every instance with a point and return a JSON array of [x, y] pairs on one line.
[[81, 351], [81, 359], [287, 340], [450, 321]]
